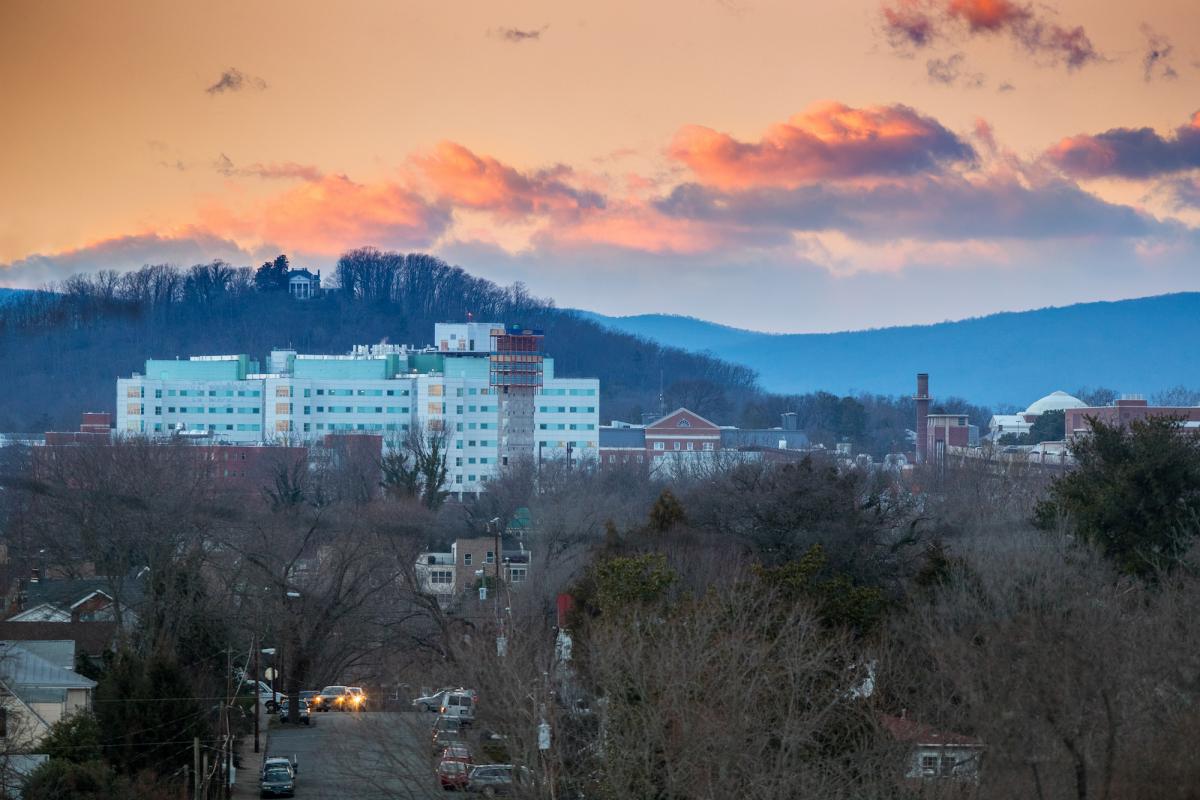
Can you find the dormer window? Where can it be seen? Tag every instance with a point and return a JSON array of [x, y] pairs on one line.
[[683, 423]]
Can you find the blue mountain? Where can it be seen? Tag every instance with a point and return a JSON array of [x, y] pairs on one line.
[[1141, 346]]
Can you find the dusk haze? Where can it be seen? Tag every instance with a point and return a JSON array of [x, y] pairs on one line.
[[660, 400]]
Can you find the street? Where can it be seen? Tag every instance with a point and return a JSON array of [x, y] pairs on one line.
[[372, 755]]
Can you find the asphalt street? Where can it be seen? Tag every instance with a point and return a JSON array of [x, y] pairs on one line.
[[367, 756]]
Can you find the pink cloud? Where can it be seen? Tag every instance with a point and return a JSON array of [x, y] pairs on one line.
[[829, 141], [1129, 152], [914, 24], [467, 180], [333, 214]]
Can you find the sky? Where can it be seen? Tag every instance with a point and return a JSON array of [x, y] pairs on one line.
[[779, 166]]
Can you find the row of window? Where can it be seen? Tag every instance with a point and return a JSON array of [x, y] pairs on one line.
[[202, 393], [458, 462], [567, 392], [565, 409], [471, 426], [562, 426], [676, 446], [246, 427], [566, 444]]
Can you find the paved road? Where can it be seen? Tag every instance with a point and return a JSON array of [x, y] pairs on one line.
[[368, 756]]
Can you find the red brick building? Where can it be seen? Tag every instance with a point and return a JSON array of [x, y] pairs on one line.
[[1123, 412], [951, 430], [680, 432]]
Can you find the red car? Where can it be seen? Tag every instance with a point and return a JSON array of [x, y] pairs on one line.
[[457, 751], [452, 774]]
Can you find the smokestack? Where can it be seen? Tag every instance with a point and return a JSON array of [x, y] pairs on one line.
[[922, 398]]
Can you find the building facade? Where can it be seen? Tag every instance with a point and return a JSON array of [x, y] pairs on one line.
[[1125, 411], [686, 437], [488, 403]]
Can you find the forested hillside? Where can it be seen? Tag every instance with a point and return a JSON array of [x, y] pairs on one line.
[[65, 347]]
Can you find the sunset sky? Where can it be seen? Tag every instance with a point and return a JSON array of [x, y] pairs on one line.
[[783, 166]]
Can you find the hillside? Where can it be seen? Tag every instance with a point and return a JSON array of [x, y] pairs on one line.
[[1137, 346], [68, 347]]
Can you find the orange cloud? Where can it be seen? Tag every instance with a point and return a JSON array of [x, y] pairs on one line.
[[988, 15], [462, 178], [827, 141], [332, 214]]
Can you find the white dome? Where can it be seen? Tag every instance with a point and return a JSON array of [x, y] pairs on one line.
[[1055, 401]]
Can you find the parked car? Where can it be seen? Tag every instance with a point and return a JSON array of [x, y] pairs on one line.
[[431, 702], [268, 698], [305, 715], [291, 763], [458, 751], [494, 779], [459, 704], [278, 778], [446, 731], [277, 782], [452, 775]]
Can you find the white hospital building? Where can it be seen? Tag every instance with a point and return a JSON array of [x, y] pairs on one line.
[[487, 386]]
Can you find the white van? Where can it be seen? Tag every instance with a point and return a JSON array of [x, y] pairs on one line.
[[458, 704]]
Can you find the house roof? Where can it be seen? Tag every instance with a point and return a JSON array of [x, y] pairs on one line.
[[90, 638], [59, 652], [913, 732], [681, 414], [21, 669], [66, 593]]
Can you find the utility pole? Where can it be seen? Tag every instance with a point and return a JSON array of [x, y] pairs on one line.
[[228, 731], [195, 768], [257, 689]]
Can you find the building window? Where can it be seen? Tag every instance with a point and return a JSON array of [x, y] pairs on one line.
[[441, 577], [948, 766], [466, 556], [691, 446], [929, 766], [675, 445], [708, 445], [517, 574], [659, 446], [490, 557]]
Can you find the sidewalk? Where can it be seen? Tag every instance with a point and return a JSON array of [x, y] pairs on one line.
[[246, 780]]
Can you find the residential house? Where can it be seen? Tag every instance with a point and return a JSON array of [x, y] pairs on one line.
[[304, 285], [64, 600], [934, 755], [36, 690], [91, 640]]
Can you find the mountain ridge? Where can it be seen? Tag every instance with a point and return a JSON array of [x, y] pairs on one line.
[[992, 359]]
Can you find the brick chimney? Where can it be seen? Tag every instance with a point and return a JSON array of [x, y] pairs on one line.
[[922, 398]]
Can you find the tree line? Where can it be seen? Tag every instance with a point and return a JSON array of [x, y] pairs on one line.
[[73, 339]]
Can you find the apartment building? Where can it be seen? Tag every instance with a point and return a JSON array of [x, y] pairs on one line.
[[487, 386]]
